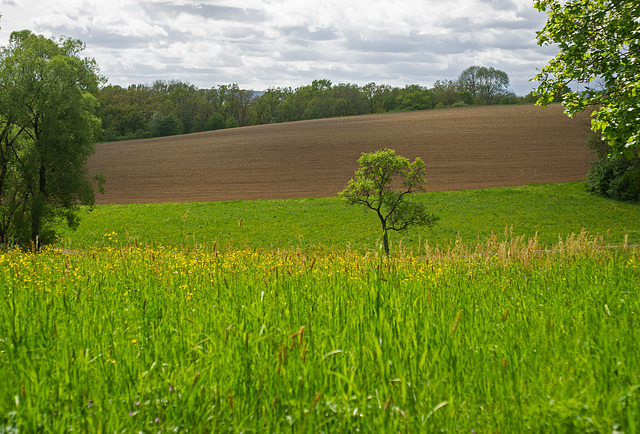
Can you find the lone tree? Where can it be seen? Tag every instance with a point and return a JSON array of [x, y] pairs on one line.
[[373, 187], [486, 85], [47, 132], [599, 43]]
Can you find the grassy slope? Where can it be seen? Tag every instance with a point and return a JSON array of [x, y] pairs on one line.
[[550, 210]]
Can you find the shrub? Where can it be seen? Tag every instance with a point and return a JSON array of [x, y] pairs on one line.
[[232, 123], [215, 122], [627, 185], [617, 178], [167, 125]]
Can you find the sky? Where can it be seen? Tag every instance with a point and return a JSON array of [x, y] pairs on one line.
[[259, 44]]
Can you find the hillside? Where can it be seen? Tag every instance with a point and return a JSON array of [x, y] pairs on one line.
[[464, 148]]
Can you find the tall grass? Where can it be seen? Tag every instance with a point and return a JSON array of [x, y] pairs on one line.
[[504, 334]]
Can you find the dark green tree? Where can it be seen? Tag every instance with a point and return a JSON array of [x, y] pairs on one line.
[[48, 129], [237, 105], [267, 104], [374, 96], [348, 100], [125, 113], [445, 93], [414, 97], [383, 184], [165, 125], [186, 102], [215, 122]]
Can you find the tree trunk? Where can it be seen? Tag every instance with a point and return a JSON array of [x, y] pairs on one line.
[[385, 241], [37, 208], [385, 236]]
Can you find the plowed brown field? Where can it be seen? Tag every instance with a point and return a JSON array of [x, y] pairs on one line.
[[465, 148]]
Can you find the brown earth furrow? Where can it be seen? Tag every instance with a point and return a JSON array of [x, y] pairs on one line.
[[466, 148]]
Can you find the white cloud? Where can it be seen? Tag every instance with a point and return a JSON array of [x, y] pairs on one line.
[[261, 43]]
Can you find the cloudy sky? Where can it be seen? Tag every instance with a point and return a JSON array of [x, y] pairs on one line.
[[276, 43]]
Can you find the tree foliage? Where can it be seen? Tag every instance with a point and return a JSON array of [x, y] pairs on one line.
[[135, 112], [486, 85], [599, 43], [617, 178], [47, 132], [383, 184]]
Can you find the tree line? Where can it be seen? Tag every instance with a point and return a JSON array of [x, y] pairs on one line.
[[174, 107]]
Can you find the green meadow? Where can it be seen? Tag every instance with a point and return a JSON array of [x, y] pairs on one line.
[[517, 313], [549, 212]]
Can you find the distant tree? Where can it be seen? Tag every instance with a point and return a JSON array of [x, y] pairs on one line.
[[599, 42], [212, 102], [414, 97], [348, 100], [374, 95], [316, 100], [215, 122], [285, 112], [237, 104], [390, 101], [232, 122], [469, 80], [466, 97], [298, 103], [165, 125], [160, 97], [509, 98], [267, 105], [125, 113], [48, 129], [373, 188], [321, 85], [319, 106], [529, 98], [486, 85], [186, 105], [445, 93]]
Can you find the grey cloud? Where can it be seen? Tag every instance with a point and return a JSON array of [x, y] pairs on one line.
[[297, 55], [140, 73], [98, 37], [384, 43], [500, 4], [56, 29], [466, 25], [210, 12], [413, 46], [303, 34], [461, 36], [413, 72], [242, 32]]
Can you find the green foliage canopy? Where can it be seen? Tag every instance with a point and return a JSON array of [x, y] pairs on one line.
[[47, 132], [486, 85], [599, 42], [373, 188]]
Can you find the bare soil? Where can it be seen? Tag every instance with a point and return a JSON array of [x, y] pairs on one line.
[[464, 148]]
